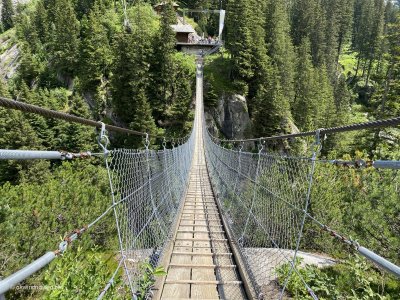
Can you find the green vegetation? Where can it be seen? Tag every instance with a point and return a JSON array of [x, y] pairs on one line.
[[7, 14], [148, 279], [348, 60], [215, 72], [317, 64], [37, 213], [78, 57], [352, 279], [75, 268]]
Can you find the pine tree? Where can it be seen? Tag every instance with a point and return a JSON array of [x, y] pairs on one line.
[[339, 24], [131, 75], [163, 68], [388, 96], [280, 47], [95, 50], [31, 65], [309, 20], [367, 33], [16, 132], [376, 34], [272, 112], [180, 114], [305, 102], [324, 111], [211, 96], [65, 41], [318, 36], [142, 119], [73, 136], [7, 14], [83, 7], [345, 21], [41, 22], [239, 41], [302, 20], [332, 9], [125, 72], [342, 101]]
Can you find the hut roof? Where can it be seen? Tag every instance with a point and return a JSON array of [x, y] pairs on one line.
[[164, 3], [183, 28]]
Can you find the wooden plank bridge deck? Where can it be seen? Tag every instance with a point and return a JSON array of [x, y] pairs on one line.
[[201, 264]]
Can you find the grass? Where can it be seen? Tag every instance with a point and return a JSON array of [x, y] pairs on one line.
[[192, 23], [217, 68], [348, 60]]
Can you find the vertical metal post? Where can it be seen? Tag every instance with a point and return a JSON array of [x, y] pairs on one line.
[[315, 152]]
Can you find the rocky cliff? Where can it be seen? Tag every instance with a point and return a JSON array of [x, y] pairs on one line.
[[230, 116], [9, 52], [9, 55]]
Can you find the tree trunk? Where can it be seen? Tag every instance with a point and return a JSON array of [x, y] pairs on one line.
[[358, 65], [369, 71], [386, 92]]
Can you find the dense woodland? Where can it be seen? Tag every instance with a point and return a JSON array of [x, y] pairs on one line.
[[301, 64]]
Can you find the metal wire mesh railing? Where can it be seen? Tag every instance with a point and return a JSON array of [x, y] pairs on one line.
[[279, 208], [149, 185], [262, 198]]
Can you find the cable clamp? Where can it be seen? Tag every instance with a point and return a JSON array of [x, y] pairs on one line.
[[261, 146], [241, 145], [103, 139], [147, 142], [62, 247]]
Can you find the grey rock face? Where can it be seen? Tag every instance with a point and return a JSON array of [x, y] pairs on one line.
[[8, 59], [15, 3], [230, 116], [9, 52]]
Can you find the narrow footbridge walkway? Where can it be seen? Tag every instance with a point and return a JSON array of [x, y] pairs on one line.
[[201, 264]]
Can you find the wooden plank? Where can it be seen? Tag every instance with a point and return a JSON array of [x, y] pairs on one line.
[[179, 274], [159, 284], [217, 282], [207, 291], [196, 266], [199, 253], [175, 291]]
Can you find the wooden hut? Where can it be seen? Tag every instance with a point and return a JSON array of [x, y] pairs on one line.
[[182, 32]]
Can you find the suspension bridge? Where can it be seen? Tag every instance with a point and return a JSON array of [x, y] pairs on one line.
[[219, 220]]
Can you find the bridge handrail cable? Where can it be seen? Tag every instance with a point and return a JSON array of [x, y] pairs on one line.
[[30, 108], [352, 127]]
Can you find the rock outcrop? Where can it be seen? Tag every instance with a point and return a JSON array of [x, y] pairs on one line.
[[230, 116], [9, 56], [15, 2]]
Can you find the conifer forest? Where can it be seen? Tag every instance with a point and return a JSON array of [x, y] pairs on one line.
[[297, 65]]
